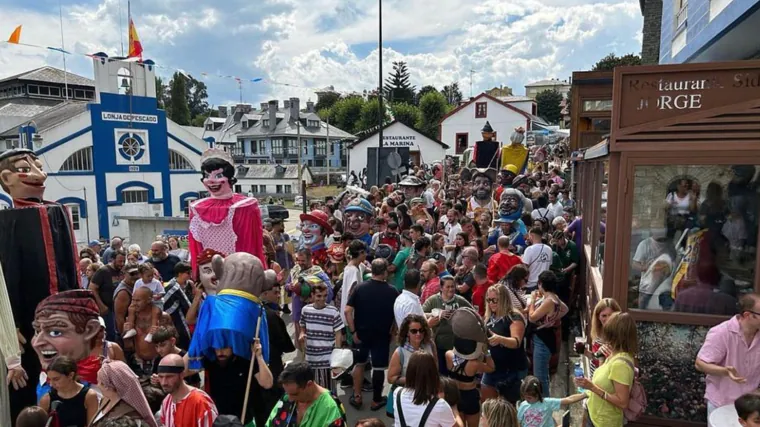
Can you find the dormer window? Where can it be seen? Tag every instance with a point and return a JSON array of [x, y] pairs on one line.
[[245, 124], [265, 123], [312, 123]]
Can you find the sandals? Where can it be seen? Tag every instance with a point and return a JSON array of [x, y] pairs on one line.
[[356, 403], [376, 406]]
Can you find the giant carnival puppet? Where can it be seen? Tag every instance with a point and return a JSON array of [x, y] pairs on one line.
[[225, 221], [39, 258], [412, 187], [482, 192], [511, 209], [506, 176], [516, 153], [314, 229], [357, 217]]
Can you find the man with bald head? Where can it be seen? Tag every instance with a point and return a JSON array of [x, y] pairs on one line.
[[145, 352], [163, 260], [184, 405]]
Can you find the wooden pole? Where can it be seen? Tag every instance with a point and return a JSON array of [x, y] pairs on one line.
[[253, 361]]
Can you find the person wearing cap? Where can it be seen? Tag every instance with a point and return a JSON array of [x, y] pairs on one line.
[[314, 229], [95, 246], [507, 174], [412, 186]]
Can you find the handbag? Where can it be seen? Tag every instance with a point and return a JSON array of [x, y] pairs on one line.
[[389, 402], [637, 403]]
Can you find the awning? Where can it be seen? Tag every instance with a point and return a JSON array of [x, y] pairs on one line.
[[599, 150]]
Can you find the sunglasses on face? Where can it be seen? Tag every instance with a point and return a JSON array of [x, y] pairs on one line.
[[416, 331], [492, 300]]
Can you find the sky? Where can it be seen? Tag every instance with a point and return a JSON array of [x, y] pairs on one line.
[[310, 44]]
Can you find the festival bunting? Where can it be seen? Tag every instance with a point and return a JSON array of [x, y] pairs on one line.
[[15, 37], [135, 47]]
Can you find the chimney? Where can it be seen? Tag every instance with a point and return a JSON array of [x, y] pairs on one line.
[[272, 113], [286, 104], [264, 106], [310, 106], [295, 108], [222, 111]]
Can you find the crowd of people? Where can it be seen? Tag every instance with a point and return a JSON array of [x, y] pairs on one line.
[[453, 289]]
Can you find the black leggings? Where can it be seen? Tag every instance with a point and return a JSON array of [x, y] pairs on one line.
[[469, 403]]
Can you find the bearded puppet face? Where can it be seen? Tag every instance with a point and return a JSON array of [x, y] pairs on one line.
[[312, 233], [25, 178], [482, 188], [217, 184], [510, 204], [356, 223], [55, 334]]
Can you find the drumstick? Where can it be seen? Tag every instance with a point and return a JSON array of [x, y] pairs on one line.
[[250, 369]]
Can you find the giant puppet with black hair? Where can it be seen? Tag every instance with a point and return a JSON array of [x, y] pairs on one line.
[[39, 258], [225, 221]]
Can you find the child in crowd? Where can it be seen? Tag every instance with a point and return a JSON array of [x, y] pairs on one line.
[[748, 409], [536, 410], [165, 341], [320, 334], [147, 280]]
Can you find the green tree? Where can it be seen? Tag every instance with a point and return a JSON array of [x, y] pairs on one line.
[[160, 93], [347, 113], [196, 94], [370, 115], [179, 110], [397, 87], [452, 94], [406, 114], [327, 113], [433, 107], [327, 100], [609, 62], [425, 90], [548, 106]]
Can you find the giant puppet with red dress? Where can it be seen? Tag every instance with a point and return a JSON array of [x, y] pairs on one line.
[[39, 258], [225, 221]]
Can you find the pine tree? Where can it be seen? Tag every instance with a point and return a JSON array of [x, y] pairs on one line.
[[180, 110], [452, 94], [397, 87]]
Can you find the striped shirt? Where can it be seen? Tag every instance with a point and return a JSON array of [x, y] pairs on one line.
[[194, 410], [320, 325]]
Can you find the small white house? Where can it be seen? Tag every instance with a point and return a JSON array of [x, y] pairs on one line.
[[396, 134], [271, 180], [461, 127]]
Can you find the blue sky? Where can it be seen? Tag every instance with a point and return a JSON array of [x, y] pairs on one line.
[[315, 43]]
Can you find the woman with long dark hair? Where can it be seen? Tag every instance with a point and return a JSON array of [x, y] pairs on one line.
[[417, 403], [78, 403], [414, 335]]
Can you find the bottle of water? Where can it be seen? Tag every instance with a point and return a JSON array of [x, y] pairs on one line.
[[579, 374]]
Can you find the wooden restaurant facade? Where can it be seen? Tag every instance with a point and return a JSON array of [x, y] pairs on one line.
[[670, 210]]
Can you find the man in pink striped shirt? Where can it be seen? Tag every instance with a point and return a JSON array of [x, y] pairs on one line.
[[184, 406], [730, 356]]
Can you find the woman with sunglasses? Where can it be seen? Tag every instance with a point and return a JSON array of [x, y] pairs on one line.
[[506, 329], [414, 335]]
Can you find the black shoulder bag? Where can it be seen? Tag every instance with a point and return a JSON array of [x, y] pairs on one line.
[[425, 415]]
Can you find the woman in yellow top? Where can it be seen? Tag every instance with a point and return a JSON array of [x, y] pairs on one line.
[[610, 389]]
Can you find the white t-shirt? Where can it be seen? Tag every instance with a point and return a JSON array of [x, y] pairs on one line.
[[440, 416], [406, 303], [678, 206], [453, 231], [538, 258], [648, 250], [556, 209], [429, 199], [351, 276], [544, 213], [649, 281], [154, 285]]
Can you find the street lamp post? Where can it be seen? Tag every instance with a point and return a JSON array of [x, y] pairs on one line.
[[379, 89]]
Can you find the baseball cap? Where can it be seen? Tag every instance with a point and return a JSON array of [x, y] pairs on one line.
[[94, 243]]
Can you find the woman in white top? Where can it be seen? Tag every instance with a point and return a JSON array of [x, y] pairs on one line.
[[417, 403], [680, 205]]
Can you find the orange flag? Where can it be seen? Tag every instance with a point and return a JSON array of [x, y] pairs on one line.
[[15, 36], [135, 47]]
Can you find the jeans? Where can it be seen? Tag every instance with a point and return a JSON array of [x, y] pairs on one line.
[[710, 409], [110, 321], [541, 357]]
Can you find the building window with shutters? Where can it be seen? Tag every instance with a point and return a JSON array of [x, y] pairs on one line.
[[481, 110], [178, 162], [74, 214], [279, 189], [135, 196], [81, 160], [288, 189]]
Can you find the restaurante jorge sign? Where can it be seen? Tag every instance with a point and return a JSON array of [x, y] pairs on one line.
[[646, 97]]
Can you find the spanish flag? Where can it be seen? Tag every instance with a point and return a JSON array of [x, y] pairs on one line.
[[15, 36], [135, 47]]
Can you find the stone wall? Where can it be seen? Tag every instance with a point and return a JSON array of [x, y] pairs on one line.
[[650, 44]]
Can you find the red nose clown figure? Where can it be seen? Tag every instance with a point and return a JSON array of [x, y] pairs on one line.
[[314, 228], [225, 221]]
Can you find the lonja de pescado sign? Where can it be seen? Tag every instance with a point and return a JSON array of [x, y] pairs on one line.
[[648, 97]]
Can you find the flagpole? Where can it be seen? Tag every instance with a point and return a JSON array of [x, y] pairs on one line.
[[63, 49], [121, 31]]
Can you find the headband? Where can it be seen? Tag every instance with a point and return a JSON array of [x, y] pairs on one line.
[[170, 369]]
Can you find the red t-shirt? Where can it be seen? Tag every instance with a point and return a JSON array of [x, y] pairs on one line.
[[196, 409], [499, 265], [479, 296]]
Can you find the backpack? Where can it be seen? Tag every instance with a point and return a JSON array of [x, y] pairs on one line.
[[637, 402], [425, 415], [392, 241]]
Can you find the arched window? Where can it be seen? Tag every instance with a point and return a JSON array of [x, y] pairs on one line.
[[178, 162], [81, 160], [124, 81]]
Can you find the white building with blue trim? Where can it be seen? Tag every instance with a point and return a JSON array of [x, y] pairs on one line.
[[116, 156]]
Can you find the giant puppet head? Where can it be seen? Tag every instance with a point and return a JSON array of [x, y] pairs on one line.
[[470, 334], [357, 218], [412, 186], [218, 171], [511, 205], [487, 132], [314, 228], [507, 175], [65, 324], [21, 174], [206, 274], [437, 169], [482, 184], [453, 186]]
